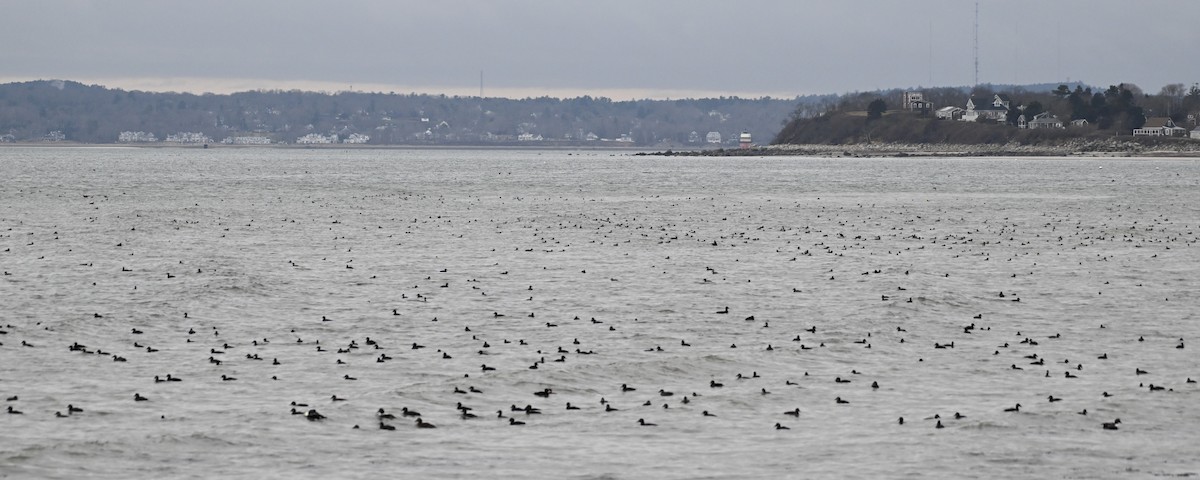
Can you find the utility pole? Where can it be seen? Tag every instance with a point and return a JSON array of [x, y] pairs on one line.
[[931, 53], [976, 42]]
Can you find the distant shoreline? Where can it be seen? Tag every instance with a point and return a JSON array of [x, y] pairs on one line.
[[338, 146], [885, 150], [1113, 149]]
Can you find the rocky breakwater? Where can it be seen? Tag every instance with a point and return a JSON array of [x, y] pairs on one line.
[[1111, 147]]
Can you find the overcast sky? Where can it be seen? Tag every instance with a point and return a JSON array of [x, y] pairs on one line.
[[615, 48]]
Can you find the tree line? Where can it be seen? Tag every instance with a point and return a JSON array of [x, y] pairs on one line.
[[95, 114], [1118, 109]]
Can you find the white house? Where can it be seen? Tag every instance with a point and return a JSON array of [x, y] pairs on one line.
[[1160, 127], [981, 107], [713, 137], [1079, 122], [1196, 134], [949, 113], [1044, 120]]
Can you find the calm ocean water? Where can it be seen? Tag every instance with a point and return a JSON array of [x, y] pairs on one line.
[[310, 274]]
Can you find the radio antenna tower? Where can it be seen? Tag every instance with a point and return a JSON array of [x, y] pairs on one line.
[[977, 42]]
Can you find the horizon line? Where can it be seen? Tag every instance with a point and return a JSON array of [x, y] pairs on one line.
[[226, 86]]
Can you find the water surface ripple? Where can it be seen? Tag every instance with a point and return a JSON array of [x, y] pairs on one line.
[[599, 270]]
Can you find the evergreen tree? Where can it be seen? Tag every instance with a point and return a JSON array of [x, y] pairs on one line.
[[876, 108]]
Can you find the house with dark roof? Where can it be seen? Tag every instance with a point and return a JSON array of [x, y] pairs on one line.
[[994, 109], [1160, 127]]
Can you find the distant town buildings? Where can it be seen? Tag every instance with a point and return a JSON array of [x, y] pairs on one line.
[[316, 139], [357, 139], [253, 140], [188, 138], [713, 137], [136, 137], [54, 136]]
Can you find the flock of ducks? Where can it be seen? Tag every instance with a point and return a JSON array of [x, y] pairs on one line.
[[748, 281]]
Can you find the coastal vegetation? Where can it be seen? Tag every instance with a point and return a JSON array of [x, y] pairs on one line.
[[57, 111], [842, 128], [64, 110], [1087, 115]]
